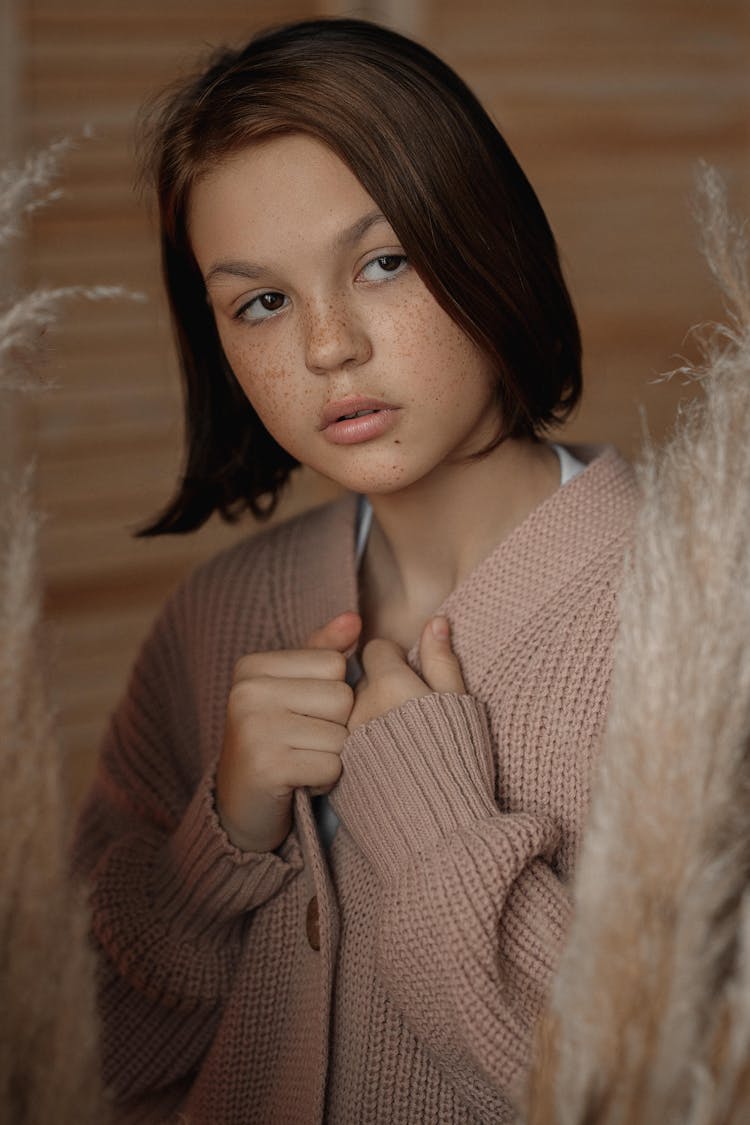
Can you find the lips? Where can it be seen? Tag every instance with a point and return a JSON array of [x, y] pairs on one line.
[[352, 405], [357, 419]]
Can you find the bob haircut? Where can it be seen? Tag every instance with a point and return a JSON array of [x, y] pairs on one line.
[[428, 154]]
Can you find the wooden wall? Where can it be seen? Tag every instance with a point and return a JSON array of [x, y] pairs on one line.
[[608, 106], [108, 436]]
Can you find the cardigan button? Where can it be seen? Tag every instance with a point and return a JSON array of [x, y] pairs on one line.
[[312, 923]]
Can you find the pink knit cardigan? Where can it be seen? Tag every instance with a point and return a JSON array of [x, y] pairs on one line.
[[397, 977]]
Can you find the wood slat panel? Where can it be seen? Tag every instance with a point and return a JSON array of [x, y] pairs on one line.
[[9, 132], [108, 439], [607, 106]]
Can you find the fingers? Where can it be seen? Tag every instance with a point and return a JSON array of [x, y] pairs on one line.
[[276, 770], [323, 735], [381, 656], [319, 771], [285, 728], [313, 664], [384, 666], [388, 681], [266, 697], [340, 633], [441, 669], [323, 657]]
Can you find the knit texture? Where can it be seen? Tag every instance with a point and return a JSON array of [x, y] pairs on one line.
[[408, 992]]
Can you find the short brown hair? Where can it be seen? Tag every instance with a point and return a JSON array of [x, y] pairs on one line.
[[429, 155]]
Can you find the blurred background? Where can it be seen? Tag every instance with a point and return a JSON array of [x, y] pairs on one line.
[[608, 107]]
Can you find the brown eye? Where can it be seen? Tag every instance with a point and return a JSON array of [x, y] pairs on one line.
[[389, 264], [257, 308], [272, 301]]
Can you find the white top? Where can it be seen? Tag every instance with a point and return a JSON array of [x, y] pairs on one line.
[[570, 466], [326, 818]]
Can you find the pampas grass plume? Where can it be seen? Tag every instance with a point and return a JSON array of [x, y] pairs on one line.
[[649, 1020], [49, 1056]]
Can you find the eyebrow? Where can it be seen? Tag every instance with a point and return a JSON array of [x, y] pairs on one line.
[[254, 270]]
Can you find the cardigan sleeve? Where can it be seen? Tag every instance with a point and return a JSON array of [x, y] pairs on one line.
[[170, 896], [472, 915]]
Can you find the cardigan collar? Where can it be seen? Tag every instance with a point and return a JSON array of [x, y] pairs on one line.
[[578, 526], [584, 520], [319, 565]]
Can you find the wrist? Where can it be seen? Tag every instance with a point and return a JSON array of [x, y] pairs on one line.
[[262, 838]]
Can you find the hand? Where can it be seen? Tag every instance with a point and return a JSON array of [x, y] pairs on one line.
[[286, 725], [388, 681]]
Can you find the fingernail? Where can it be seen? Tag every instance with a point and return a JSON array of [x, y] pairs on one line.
[[441, 628]]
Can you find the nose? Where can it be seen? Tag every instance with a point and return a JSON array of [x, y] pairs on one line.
[[335, 337]]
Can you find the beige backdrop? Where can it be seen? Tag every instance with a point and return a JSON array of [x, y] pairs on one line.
[[607, 105]]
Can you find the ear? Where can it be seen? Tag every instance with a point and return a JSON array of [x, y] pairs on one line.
[[441, 670]]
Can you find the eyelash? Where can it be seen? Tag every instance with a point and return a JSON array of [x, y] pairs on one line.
[[240, 314], [385, 257]]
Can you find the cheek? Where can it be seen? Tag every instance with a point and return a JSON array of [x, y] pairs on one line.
[[446, 360], [265, 374]]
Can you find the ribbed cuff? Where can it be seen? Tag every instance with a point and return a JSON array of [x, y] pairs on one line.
[[536, 919], [202, 878], [416, 774]]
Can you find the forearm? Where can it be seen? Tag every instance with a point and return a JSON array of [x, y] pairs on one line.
[[170, 907], [472, 915], [468, 956], [170, 915]]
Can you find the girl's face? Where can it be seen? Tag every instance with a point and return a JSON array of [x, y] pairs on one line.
[[320, 314]]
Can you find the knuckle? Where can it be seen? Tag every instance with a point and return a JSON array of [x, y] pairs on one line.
[[337, 738], [330, 665], [270, 764], [247, 666], [242, 694], [374, 646], [346, 691], [337, 664], [331, 770], [343, 696], [251, 697], [245, 739]]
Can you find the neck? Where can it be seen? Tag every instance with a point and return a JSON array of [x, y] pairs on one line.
[[425, 539]]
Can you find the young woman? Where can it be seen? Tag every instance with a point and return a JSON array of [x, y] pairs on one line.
[[332, 834]]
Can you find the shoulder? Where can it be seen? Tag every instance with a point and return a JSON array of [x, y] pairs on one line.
[[564, 565], [605, 469], [599, 505], [585, 524]]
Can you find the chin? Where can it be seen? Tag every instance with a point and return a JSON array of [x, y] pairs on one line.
[[387, 482], [376, 473]]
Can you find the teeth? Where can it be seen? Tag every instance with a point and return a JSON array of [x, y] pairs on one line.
[[359, 414]]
